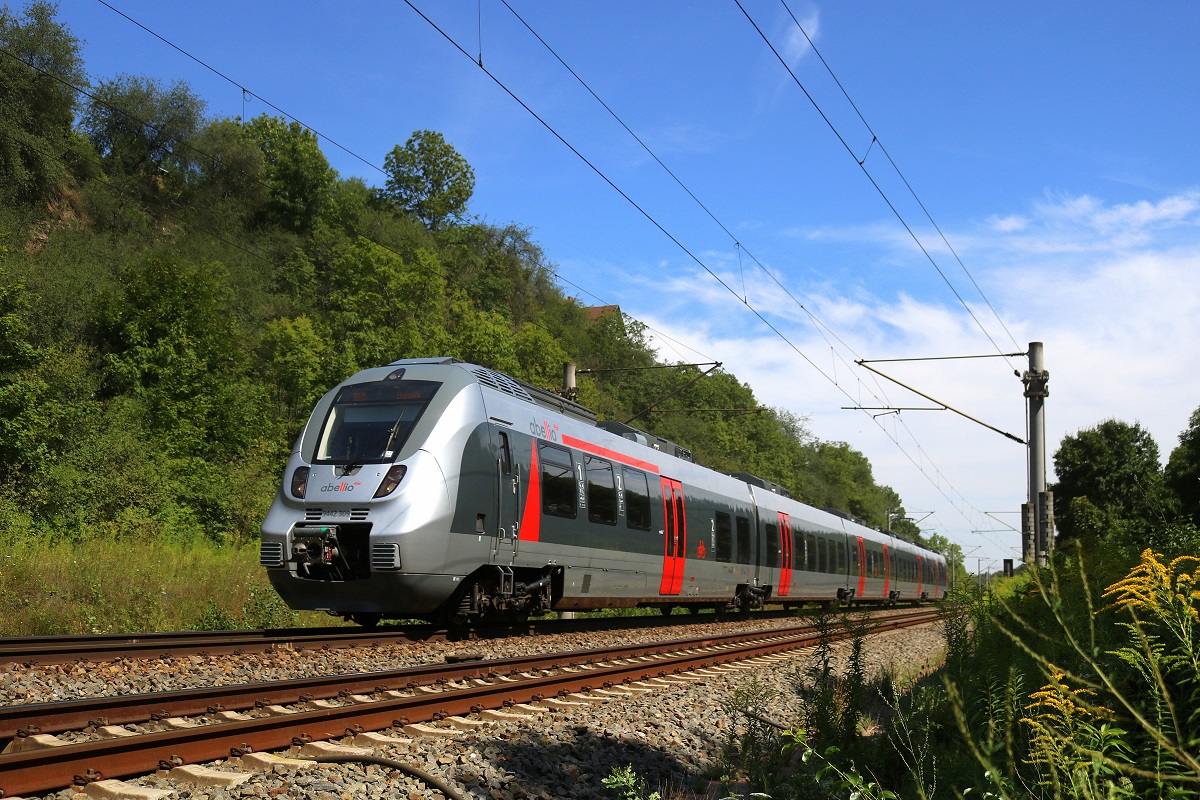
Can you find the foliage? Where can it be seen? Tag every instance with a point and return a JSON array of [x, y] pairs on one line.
[[39, 63], [1182, 474], [1110, 485], [429, 178], [105, 585], [143, 133], [629, 784], [1115, 715], [298, 177]]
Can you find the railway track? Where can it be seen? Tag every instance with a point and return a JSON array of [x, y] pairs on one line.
[[109, 647], [174, 729]]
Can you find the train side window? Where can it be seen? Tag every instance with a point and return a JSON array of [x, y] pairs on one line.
[[810, 553], [723, 528], [505, 455], [841, 556], [797, 548], [601, 490], [772, 555], [854, 568], [637, 499], [822, 557], [743, 540], [558, 482]]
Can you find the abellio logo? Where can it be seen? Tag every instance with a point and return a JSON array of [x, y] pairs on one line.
[[344, 486]]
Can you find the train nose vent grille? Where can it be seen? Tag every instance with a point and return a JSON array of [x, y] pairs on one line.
[[270, 554], [385, 556], [501, 383], [318, 514]]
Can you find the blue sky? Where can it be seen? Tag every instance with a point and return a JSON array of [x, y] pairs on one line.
[[1053, 144]]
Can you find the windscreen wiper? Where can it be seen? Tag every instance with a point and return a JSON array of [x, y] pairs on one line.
[[360, 458]]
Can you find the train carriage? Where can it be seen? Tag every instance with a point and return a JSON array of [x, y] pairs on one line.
[[435, 488]]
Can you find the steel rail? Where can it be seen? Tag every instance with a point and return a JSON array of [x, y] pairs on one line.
[[108, 647], [57, 767], [65, 715]]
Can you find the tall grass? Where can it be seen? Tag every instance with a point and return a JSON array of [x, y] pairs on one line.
[[1077, 681], [123, 585]]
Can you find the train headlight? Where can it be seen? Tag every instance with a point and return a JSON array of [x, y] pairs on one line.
[[391, 480], [300, 482]]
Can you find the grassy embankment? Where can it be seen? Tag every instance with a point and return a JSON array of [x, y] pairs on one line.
[[104, 586]]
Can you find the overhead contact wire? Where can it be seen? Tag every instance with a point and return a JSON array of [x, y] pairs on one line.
[[895, 211], [821, 327], [600, 173], [875, 140]]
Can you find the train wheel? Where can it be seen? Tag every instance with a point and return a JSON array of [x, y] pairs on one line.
[[367, 620]]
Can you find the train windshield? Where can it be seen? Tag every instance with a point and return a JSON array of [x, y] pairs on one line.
[[370, 422]]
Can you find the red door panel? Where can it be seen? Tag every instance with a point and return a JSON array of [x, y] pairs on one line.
[[785, 540], [674, 537]]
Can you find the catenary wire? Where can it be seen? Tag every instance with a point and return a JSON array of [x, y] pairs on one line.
[[875, 140], [821, 328], [871, 178]]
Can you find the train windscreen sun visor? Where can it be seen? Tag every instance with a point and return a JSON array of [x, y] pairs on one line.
[[370, 422]]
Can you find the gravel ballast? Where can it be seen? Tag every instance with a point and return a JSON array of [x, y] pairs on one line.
[[671, 736]]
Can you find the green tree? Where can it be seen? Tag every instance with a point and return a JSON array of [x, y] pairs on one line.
[[230, 172], [540, 356], [1110, 485], [20, 439], [381, 305], [142, 130], [1183, 470], [429, 178], [39, 63], [298, 175], [169, 340], [294, 356]]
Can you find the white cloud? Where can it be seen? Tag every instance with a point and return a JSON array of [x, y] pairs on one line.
[[1009, 224], [1113, 291], [796, 45]]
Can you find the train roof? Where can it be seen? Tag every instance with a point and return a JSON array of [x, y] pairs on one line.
[[510, 386], [554, 402]]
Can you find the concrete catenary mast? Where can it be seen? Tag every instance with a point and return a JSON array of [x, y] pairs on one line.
[[1037, 515]]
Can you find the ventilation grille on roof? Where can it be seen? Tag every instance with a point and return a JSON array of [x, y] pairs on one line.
[[501, 383]]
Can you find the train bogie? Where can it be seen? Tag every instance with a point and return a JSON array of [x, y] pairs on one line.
[[435, 488]]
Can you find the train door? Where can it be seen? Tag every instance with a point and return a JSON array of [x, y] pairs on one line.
[[508, 501], [785, 540], [887, 570], [862, 568], [674, 537]]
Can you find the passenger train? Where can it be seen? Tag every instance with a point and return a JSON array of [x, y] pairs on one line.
[[437, 489]]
